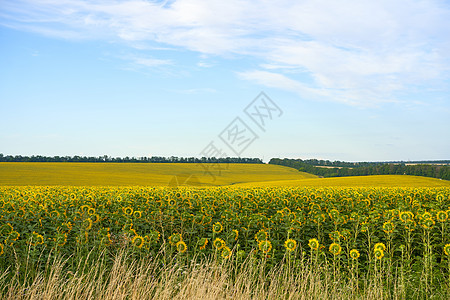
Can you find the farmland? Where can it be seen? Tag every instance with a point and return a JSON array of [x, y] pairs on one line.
[[359, 237], [352, 234], [155, 174]]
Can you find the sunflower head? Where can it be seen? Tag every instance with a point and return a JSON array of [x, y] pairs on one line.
[[226, 253], [261, 235], [378, 253], [313, 244], [175, 238], [236, 234], [202, 243], [138, 241], [217, 227], [441, 216], [388, 227], [137, 214], [447, 249], [128, 210], [427, 223], [181, 247], [290, 245], [91, 211], [218, 243], [354, 254], [265, 246], [172, 202], [379, 246], [335, 249]]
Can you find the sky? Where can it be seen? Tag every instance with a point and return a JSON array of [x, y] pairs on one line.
[[357, 80]]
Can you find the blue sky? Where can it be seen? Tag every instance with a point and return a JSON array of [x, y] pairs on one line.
[[355, 80]]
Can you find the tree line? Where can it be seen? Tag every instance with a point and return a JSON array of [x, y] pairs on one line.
[[436, 169], [106, 158]]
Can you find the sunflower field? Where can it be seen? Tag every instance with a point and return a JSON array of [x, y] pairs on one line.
[[394, 235]]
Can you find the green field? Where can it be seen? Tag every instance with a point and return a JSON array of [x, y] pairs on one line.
[[374, 180]]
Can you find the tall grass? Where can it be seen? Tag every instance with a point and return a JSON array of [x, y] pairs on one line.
[[125, 277]]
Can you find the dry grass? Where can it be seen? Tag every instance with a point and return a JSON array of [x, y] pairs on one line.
[[206, 280]]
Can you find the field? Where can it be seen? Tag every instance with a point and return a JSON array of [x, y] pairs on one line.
[[393, 242], [155, 174], [358, 181], [269, 233]]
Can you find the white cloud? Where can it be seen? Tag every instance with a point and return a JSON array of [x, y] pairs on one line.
[[356, 52]]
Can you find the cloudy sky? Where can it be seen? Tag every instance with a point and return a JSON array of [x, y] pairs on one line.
[[346, 80]]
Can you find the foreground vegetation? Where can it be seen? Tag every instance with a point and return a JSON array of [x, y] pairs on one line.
[[348, 242]]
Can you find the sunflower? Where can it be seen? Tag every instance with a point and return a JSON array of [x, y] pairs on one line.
[[261, 235], [128, 210], [72, 196], [175, 238], [1, 249], [354, 254], [388, 227], [217, 227], [265, 246], [202, 243], [181, 247], [447, 249], [95, 218], [36, 239], [219, 243], [236, 234], [335, 249], [290, 245], [138, 241], [441, 216], [313, 244], [226, 253], [427, 223], [335, 235], [172, 202], [379, 253], [137, 214], [87, 223], [91, 211], [334, 213], [379, 246], [84, 208], [405, 216], [54, 214]]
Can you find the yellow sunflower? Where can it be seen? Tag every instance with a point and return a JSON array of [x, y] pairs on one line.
[[219, 243], [202, 243], [175, 238], [290, 245], [354, 254], [226, 253], [265, 246], [217, 227], [261, 235], [138, 241], [313, 244], [181, 247], [441, 216], [335, 249]]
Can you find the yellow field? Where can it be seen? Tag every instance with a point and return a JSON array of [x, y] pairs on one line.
[[122, 174], [374, 180], [163, 174]]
